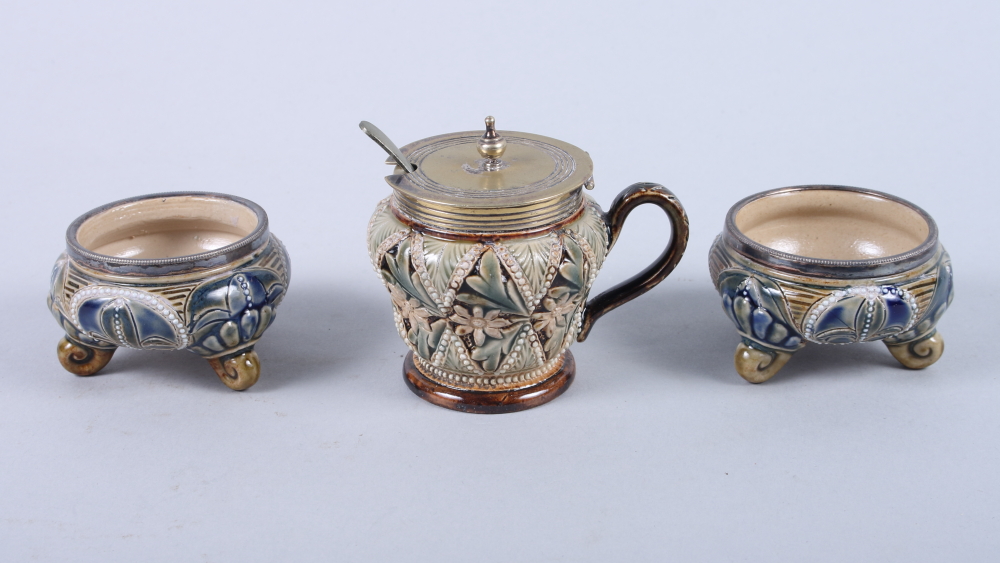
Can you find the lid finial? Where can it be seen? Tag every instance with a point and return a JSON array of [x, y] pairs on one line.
[[491, 146]]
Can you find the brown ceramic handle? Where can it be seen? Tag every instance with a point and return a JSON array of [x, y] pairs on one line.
[[630, 198]]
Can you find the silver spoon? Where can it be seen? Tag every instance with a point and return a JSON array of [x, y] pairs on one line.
[[387, 145]]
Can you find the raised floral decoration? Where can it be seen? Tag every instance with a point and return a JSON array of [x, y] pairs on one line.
[[477, 324], [492, 306], [229, 314], [212, 318], [784, 315]]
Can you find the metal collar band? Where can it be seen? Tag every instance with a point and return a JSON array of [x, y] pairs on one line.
[[487, 221]]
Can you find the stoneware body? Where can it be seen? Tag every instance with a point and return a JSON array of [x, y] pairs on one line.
[[489, 261], [495, 315], [173, 271], [830, 265]]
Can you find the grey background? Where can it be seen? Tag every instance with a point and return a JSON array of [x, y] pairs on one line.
[[659, 451]]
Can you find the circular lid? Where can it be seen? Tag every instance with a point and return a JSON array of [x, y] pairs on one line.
[[488, 182]]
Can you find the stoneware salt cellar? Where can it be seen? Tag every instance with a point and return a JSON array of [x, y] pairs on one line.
[[830, 265], [170, 271], [488, 248]]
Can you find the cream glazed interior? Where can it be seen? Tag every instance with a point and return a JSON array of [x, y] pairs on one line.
[[833, 224], [167, 227]]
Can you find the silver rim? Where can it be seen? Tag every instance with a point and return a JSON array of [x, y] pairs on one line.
[[820, 266], [212, 258]]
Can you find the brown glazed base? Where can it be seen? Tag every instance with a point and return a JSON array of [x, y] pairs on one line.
[[486, 402]]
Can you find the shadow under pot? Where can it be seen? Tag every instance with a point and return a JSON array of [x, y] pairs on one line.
[[171, 271], [830, 265], [488, 248]]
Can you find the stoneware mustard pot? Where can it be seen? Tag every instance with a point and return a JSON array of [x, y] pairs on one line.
[[488, 248], [830, 265], [171, 271]]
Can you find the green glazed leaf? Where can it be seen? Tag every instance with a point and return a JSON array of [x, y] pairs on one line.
[[495, 350], [572, 267], [399, 270], [441, 258], [383, 225], [427, 342], [592, 228], [491, 289], [532, 256]]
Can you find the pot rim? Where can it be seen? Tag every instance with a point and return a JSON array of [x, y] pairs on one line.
[[823, 267], [160, 266]]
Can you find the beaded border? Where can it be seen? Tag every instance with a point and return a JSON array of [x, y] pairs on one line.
[[485, 382], [871, 293], [155, 303]]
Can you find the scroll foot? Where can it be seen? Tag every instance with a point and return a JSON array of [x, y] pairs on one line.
[[238, 371], [79, 359], [918, 354], [756, 365]]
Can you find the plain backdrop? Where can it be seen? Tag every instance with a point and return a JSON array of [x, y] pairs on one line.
[[659, 451]]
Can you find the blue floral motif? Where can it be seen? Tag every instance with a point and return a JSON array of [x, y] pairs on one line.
[[944, 293], [232, 313], [755, 304], [219, 316], [860, 313]]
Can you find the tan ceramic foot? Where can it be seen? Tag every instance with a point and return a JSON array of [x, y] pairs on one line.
[[918, 354], [82, 360], [757, 366], [238, 372]]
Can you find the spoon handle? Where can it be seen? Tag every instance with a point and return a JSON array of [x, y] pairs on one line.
[[387, 145]]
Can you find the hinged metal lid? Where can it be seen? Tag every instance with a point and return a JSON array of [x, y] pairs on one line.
[[498, 181]]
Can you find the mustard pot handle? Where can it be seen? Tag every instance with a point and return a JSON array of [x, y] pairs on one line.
[[630, 198]]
